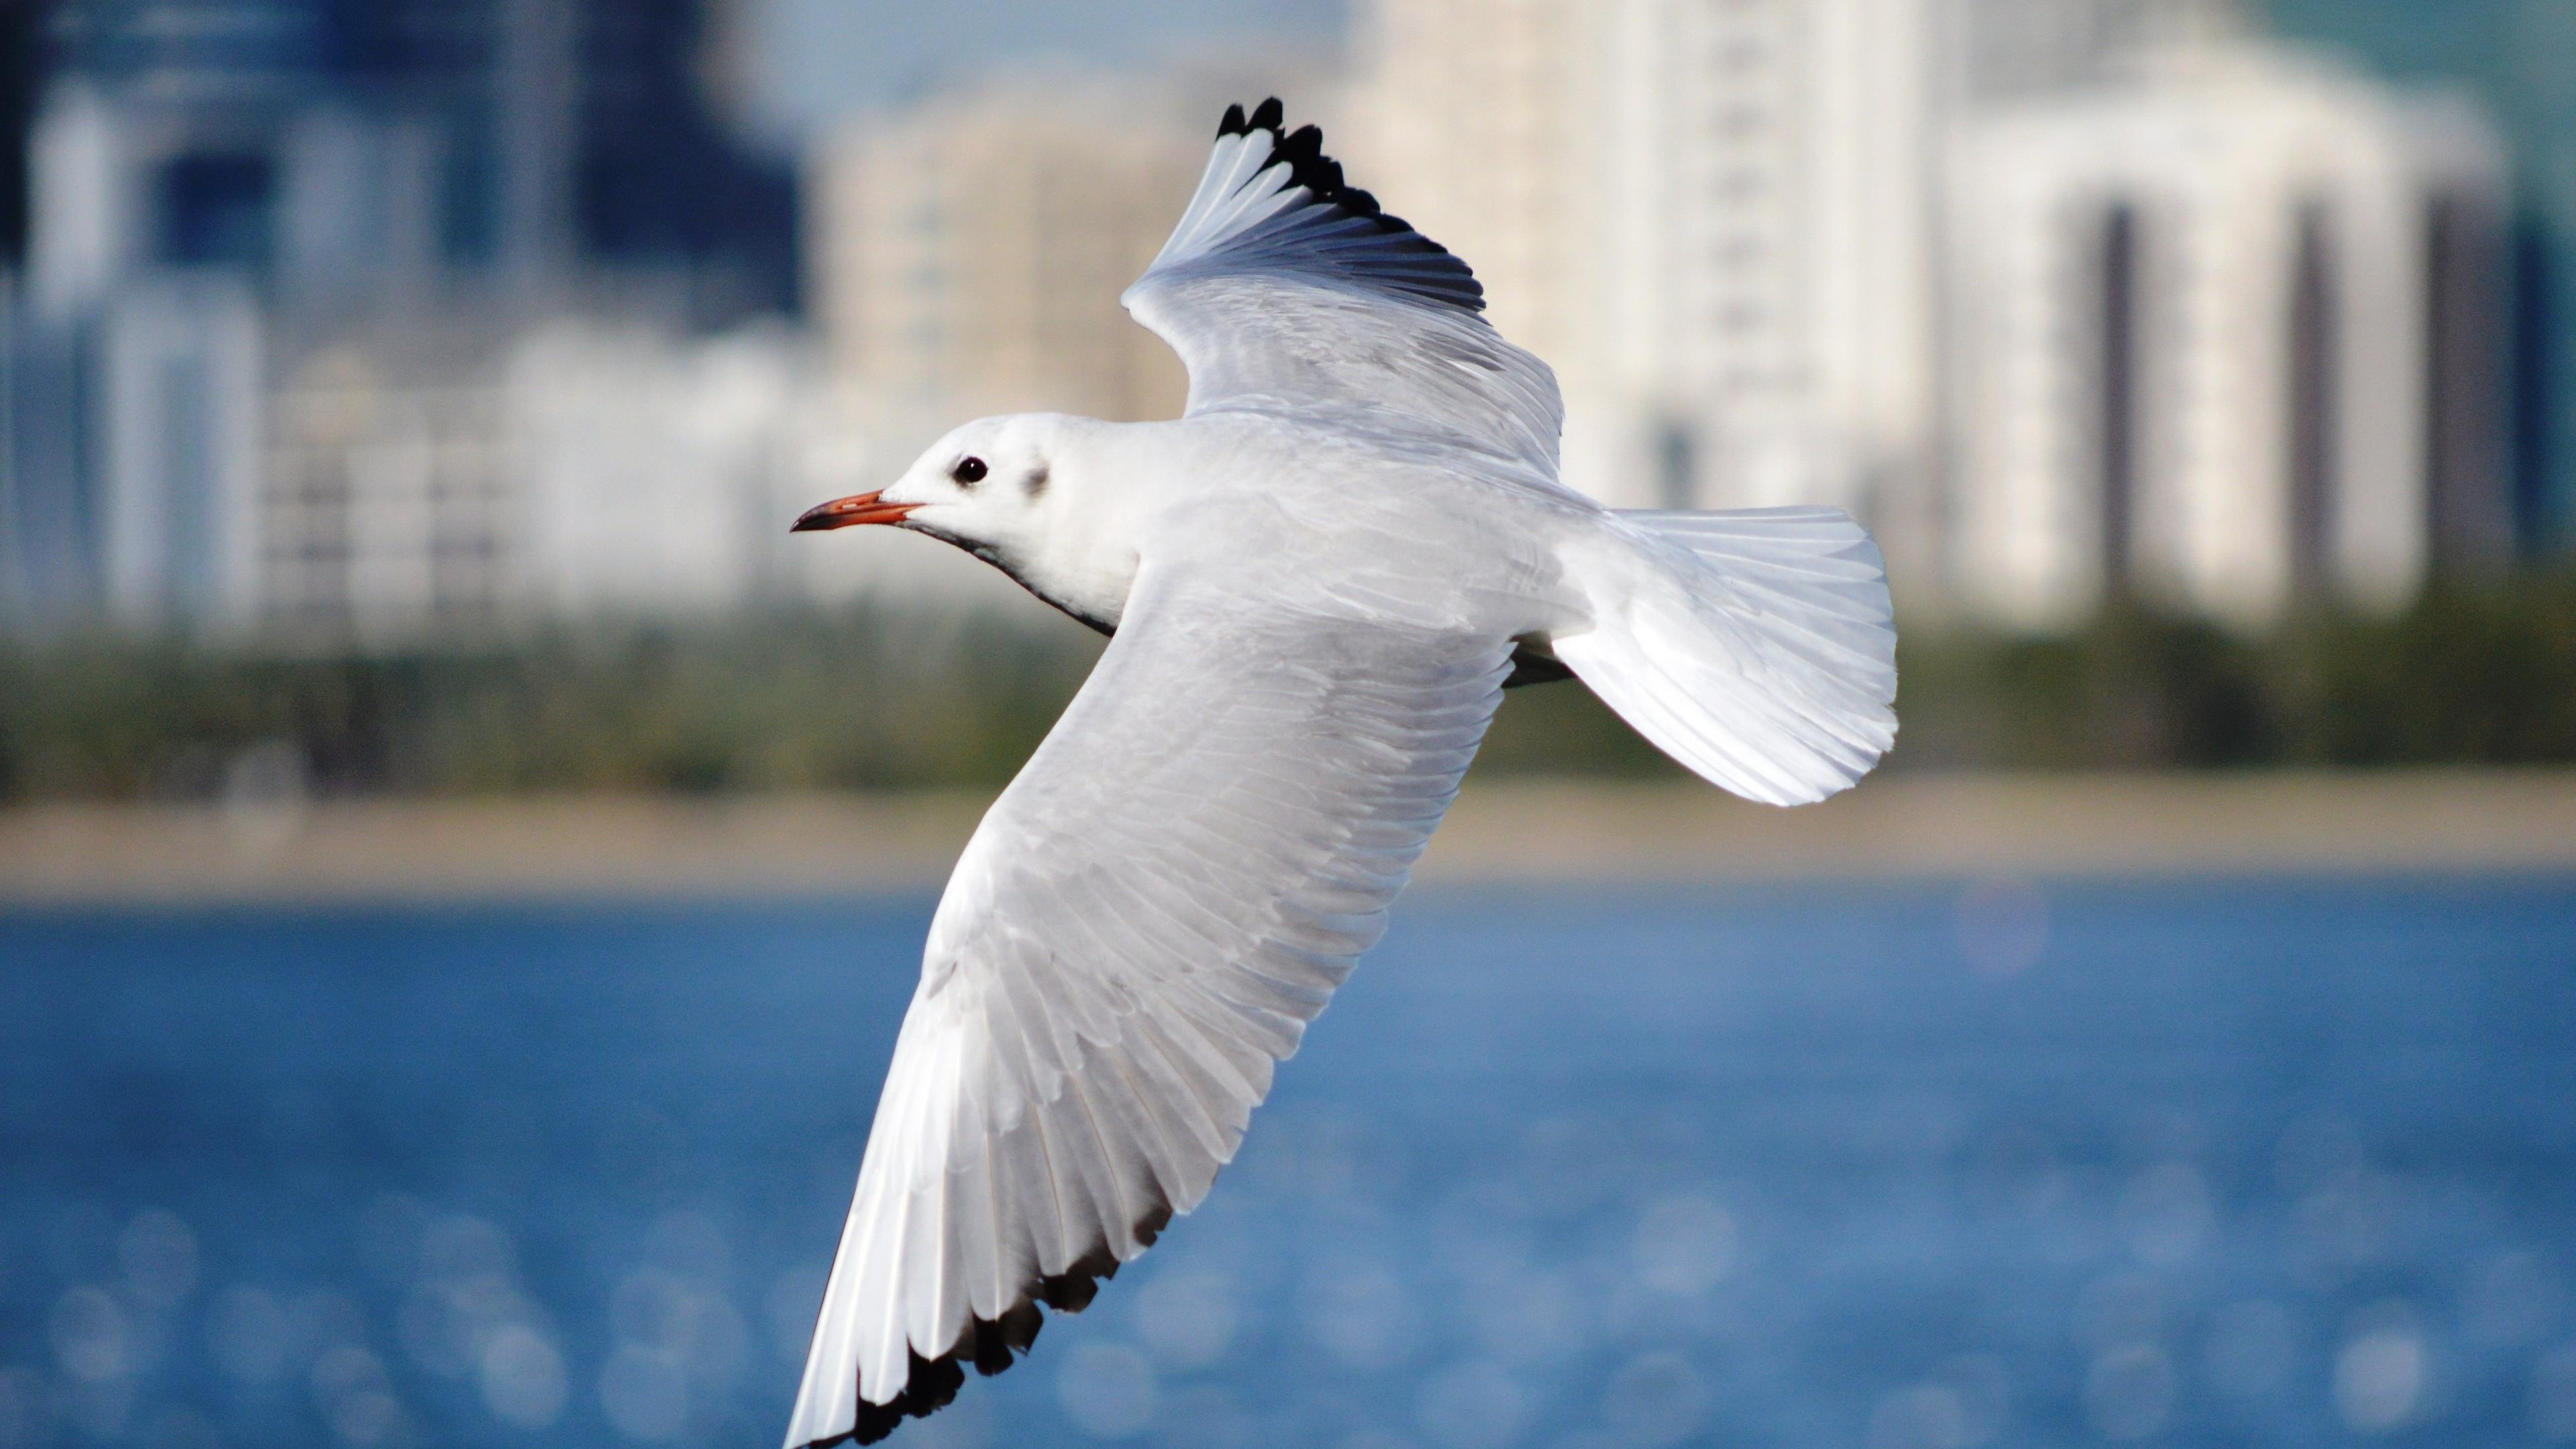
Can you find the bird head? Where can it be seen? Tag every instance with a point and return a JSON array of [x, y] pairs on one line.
[[1034, 495], [981, 488]]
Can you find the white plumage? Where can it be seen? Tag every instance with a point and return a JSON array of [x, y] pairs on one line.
[[1319, 580]]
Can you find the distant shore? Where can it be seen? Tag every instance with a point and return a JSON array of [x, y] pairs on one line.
[[1509, 832]]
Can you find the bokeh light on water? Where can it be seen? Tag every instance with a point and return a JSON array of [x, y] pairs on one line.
[[1908, 1167]]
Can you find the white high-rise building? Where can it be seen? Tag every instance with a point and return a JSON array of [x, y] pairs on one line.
[[1772, 305], [1711, 216], [2223, 337]]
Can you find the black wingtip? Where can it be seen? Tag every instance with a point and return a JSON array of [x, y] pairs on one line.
[[991, 1344], [1267, 116], [1302, 149], [1321, 176]]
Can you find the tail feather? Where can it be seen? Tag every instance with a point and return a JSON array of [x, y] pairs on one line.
[[1756, 647]]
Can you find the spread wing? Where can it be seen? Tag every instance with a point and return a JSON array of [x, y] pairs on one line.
[[1144, 923], [1284, 289]]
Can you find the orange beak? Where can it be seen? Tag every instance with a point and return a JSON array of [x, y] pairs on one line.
[[846, 512]]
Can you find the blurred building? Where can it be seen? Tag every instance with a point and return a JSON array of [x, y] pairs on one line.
[[181, 384], [1765, 337], [317, 140], [2224, 336], [214, 182], [391, 489], [1685, 206], [2516, 56], [969, 252], [1854, 251], [1990, 51], [660, 473], [1715, 216], [566, 471], [472, 480]]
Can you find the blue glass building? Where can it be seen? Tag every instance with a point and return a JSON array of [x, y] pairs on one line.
[[562, 133]]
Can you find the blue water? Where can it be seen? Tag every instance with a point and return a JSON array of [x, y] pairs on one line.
[[1888, 1166]]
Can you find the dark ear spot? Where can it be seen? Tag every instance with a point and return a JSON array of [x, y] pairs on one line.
[[1035, 484]]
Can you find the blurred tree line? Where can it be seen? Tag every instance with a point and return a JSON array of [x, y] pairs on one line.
[[802, 701], [2467, 676]]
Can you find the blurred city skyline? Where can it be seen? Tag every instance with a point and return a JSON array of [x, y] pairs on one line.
[[382, 324]]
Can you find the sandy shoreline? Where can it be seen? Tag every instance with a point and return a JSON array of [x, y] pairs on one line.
[[1504, 832]]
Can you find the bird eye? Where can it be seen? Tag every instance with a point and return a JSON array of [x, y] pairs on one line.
[[969, 471]]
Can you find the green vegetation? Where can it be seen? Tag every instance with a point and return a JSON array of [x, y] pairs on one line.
[[849, 702], [2470, 675]]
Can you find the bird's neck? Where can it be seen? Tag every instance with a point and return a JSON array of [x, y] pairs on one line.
[[1101, 488]]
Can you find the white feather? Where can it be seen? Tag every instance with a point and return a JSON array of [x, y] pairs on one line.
[[1756, 647]]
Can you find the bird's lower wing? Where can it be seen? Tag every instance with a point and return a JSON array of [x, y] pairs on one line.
[[1142, 926]]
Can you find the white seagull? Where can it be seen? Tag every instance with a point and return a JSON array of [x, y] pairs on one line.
[[1318, 581]]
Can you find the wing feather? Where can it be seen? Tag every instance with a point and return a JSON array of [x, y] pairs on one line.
[[1141, 928], [1285, 289]]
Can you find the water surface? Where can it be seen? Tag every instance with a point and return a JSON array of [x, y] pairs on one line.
[[1932, 1165]]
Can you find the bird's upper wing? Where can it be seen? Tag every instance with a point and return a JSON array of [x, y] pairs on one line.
[[1284, 289], [1143, 924]]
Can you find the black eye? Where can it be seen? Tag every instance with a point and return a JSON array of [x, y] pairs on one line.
[[969, 470]]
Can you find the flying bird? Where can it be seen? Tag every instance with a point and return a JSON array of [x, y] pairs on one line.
[[1317, 582]]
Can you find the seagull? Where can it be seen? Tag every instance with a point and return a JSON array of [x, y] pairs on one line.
[[1317, 581]]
